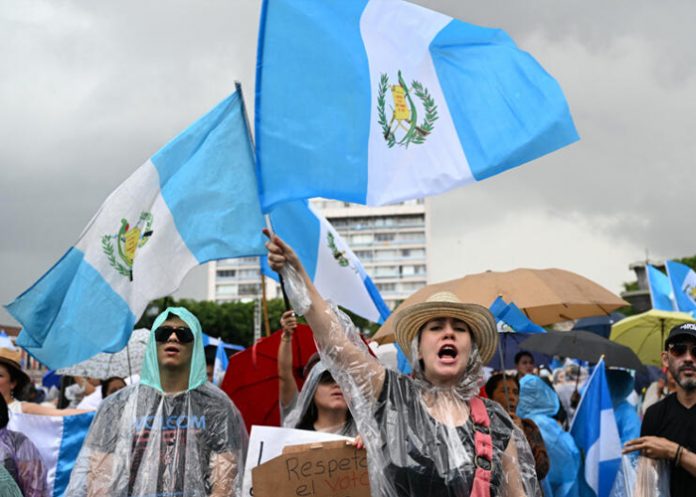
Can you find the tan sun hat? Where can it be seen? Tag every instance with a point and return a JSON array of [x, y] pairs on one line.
[[10, 359], [410, 320]]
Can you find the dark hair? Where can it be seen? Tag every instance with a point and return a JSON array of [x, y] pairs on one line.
[[309, 417], [105, 385], [4, 413], [495, 380], [521, 354], [65, 382]]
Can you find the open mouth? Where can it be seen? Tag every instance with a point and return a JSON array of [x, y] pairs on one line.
[[447, 353], [171, 349]]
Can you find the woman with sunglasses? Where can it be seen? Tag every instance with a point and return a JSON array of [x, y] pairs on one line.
[[174, 433], [320, 406], [431, 434]]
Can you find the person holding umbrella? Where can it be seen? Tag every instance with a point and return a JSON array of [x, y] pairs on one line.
[[431, 434]]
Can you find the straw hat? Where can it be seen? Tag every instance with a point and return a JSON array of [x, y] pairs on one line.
[[10, 359], [410, 320]]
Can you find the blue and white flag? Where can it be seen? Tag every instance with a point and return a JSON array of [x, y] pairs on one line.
[[194, 201], [510, 318], [220, 364], [661, 295], [334, 269], [596, 434], [378, 101], [58, 439], [683, 280]]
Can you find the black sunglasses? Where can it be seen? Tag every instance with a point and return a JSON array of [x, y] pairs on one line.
[[679, 349], [183, 334], [326, 378]]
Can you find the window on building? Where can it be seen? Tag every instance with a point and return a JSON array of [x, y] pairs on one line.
[[248, 289], [226, 290], [384, 237], [386, 287], [226, 273]]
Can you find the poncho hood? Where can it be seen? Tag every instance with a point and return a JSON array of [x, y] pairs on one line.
[[149, 374], [536, 398]]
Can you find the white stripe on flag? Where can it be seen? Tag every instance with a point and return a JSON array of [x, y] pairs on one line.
[[403, 45]]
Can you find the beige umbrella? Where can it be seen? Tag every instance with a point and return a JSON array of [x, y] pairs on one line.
[[546, 296]]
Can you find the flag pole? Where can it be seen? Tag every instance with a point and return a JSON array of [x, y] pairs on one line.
[[264, 305]]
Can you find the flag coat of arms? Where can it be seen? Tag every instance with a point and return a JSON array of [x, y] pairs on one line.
[[378, 101], [194, 201], [332, 266], [683, 280]]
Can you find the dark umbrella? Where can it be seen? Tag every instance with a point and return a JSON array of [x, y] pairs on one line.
[[251, 380], [599, 325], [509, 344], [585, 346]]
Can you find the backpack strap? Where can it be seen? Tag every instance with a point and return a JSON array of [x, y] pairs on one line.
[[483, 448]]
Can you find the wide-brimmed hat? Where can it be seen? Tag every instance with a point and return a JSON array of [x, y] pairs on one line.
[[410, 320], [10, 359]]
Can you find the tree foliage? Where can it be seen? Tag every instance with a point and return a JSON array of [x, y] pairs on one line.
[[233, 321]]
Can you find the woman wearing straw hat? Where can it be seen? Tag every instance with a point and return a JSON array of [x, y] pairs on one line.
[[13, 383], [430, 434]]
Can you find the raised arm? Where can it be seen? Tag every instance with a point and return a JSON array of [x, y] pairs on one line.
[[328, 331], [287, 388]]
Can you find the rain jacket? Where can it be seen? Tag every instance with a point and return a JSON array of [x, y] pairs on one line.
[[22, 460], [145, 442], [419, 437], [627, 420], [539, 402], [303, 403]]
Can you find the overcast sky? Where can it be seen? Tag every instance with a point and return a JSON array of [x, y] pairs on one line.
[[90, 90]]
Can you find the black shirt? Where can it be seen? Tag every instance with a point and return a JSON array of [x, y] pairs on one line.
[[669, 419]]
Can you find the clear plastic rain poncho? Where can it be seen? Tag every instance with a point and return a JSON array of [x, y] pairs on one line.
[[417, 440], [144, 442], [303, 404], [539, 402], [22, 460]]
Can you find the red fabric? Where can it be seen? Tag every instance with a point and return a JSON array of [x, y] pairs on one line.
[[251, 380], [483, 447]]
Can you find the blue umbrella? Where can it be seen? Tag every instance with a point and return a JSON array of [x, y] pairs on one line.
[[599, 325]]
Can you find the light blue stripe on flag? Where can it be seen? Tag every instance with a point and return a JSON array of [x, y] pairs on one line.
[[47, 312], [477, 66], [324, 73], [206, 177], [596, 434], [75, 429], [683, 280], [660, 289]]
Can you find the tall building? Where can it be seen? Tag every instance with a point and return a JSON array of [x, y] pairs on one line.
[[391, 242]]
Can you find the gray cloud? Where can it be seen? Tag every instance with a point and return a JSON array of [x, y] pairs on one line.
[[91, 89]]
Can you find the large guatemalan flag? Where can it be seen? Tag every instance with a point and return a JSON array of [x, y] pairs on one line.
[[378, 101], [194, 201], [661, 294], [597, 436], [58, 439], [333, 267]]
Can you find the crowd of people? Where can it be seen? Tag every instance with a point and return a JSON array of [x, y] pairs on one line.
[[450, 428]]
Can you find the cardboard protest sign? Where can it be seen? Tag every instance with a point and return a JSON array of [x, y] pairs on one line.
[[328, 469], [267, 442]]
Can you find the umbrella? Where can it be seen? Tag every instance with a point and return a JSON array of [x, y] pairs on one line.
[[585, 346], [645, 333], [509, 344], [546, 296], [251, 380], [600, 325], [126, 362]]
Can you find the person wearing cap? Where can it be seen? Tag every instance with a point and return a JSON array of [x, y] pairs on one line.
[[668, 431], [430, 434], [13, 386], [174, 433], [320, 406]]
